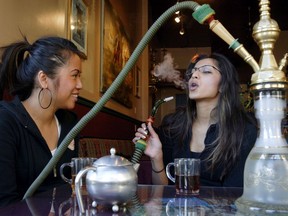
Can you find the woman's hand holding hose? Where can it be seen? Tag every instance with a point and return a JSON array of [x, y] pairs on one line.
[[154, 146]]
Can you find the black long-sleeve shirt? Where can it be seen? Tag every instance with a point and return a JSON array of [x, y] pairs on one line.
[[24, 152], [234, 178]]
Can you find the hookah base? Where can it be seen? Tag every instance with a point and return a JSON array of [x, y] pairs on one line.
[[252, 208]]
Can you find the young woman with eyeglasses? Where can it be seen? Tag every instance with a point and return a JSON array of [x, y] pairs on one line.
[[213, 126]]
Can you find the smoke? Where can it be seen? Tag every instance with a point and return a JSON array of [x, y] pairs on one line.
[[166, 71]]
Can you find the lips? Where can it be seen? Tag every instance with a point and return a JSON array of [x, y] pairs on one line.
[[193, 86], [75, 95]]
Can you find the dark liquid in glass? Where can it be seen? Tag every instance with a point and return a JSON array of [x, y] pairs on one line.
[[187, 184]]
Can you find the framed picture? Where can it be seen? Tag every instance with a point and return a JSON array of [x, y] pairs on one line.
[[137, 82], [115, 52], [78, 24]]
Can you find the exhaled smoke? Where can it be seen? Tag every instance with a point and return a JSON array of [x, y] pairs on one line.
[[166, 71]]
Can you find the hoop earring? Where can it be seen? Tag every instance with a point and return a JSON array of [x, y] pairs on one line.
[[39, 101]]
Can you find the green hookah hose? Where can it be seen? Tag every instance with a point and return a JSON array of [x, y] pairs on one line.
[[140, 145], [202, 12]]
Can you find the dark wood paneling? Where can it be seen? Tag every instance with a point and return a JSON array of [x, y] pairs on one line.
[[107, 124]]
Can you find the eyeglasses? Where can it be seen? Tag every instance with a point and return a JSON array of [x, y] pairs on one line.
[[203, 69]]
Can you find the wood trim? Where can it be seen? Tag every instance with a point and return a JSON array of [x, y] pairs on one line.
[[90, 104]]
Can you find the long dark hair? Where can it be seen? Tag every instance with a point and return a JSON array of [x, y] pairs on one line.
[[229, 113], [22, 61]]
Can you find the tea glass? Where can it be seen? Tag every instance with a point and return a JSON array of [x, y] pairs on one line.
[[186, 175], [76, 165]]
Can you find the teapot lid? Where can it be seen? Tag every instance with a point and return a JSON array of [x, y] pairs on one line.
[[112, 160]]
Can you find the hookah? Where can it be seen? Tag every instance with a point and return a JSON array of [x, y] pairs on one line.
[[266, 168]]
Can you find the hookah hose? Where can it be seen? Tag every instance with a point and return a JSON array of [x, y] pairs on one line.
[[205, 12], [140, 145]]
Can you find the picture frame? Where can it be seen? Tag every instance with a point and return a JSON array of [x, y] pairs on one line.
[[115, 52], [78, 24], [137, 82]]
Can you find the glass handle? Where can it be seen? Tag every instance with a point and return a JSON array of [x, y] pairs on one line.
[[168, 172], [62, 174]]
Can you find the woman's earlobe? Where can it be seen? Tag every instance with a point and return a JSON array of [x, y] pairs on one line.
[[42, 79]]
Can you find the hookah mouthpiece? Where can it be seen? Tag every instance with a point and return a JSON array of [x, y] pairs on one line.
[[158, 103], [140, 145]]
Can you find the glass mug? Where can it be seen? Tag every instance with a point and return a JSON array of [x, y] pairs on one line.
[[186, 206], [187, 175], [76, 165]]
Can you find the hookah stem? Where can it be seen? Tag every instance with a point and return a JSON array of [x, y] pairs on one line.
[[140, 145]]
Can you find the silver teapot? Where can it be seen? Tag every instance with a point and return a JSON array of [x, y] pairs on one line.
[[112, 180]]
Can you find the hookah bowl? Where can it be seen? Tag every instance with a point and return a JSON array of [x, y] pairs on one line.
[[266, 169]]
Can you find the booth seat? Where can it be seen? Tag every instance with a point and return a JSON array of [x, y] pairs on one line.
[[99, 147]]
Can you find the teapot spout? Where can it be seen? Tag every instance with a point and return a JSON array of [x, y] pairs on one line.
[[136, 166]]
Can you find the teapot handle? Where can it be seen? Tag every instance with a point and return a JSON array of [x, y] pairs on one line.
[[77, 187]]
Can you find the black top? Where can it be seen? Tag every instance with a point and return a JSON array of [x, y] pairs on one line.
[[24, 152], [172, 150]]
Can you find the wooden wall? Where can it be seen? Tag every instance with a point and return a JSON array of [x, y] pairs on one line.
[[107, 124]]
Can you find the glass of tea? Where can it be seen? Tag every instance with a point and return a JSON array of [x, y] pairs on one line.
[[186, 175], [76, 165]]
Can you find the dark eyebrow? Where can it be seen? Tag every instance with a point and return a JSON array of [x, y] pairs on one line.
[[76, 70]]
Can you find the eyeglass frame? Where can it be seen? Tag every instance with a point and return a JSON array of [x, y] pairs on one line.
[[197, 68]]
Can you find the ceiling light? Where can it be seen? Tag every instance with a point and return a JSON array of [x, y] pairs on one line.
[[177, 19]]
